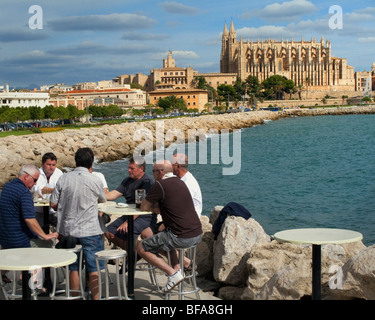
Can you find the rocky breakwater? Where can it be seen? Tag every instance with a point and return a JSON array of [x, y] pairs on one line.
[[112, 142], [368, 109], [245, 263]]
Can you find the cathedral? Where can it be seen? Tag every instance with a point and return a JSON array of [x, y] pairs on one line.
[[307, 63]]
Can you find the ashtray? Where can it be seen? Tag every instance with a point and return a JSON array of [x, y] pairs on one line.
[[121, 205]]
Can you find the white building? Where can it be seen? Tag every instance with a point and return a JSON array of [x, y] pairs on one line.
[[123, 96], [15, 99]]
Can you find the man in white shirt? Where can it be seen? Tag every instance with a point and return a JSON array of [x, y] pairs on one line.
[[48, 176], [180, 169]]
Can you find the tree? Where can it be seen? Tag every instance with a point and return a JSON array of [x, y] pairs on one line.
[[290, 88], [172, 102], [73, 111], [36, 113], [254, 88], [62, 113], [112, 110], [164, 103], [225, 91], [276, 86], [50, 112], [201, 83], [136, 86]]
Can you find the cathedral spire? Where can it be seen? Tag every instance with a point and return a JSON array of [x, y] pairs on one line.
[[225, 32], [231, 30]]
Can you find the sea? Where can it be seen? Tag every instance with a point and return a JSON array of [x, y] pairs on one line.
[[299, 172]]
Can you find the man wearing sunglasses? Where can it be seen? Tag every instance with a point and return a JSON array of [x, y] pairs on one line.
[[18, 225]]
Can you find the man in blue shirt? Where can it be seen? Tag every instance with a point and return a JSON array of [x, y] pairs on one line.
[[17, 214], [117, 231]]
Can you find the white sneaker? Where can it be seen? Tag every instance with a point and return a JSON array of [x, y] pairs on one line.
[[173, 281]]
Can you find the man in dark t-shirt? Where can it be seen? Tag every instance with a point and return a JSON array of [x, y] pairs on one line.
[[117, 231], [172, 199]]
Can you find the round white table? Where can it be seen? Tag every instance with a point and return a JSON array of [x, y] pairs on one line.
[[129, 210], [317, 237], [27, 259]]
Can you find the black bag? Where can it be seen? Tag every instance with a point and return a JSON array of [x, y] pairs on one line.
[[67, 242], [105, 218], [232, 209]]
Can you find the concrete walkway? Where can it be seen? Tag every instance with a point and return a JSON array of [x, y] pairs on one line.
[[143, 288]]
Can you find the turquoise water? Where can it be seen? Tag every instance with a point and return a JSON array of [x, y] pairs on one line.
[[295, 173]]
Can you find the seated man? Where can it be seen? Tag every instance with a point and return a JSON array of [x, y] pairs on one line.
[[49, 174], [171, 198], [117, 231]]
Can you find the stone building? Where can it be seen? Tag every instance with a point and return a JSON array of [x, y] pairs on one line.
[[307, 63], [171, 77], [363, 81], [123, 97], [194, 98], [139, 78]]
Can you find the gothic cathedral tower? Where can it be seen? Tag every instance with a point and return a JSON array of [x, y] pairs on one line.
[[307, 63], [229, 51]]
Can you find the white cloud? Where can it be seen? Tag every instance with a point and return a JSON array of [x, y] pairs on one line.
[[144, 36], [176, 54], [366, 40], [185, 54], [265, 32], [175, 7], [285, 11], [368, 10], [358, 17], [16, 35], [110, 22]]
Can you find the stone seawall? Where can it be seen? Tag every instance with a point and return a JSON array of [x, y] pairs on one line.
[[114, 142]]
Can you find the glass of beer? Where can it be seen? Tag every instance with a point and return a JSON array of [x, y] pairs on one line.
[[140, 194]]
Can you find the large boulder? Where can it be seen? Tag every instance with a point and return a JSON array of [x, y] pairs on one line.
[[356, 279], [233, 247], [204, 255], [282, 271]]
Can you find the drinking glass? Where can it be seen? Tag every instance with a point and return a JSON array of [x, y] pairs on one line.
[[140, 194]]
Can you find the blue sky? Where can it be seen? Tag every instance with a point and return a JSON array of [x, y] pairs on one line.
[[91, 40]]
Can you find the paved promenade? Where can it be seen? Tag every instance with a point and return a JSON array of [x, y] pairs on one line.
[[143, 288]]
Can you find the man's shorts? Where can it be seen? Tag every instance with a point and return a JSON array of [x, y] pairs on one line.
[[90, 245], [141, 223], [166, 240]]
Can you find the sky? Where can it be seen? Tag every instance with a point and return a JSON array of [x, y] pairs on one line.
[[44, 42]]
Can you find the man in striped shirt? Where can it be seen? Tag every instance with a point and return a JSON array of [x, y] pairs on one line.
[[18, 224]]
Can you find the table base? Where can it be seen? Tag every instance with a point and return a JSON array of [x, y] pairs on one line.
[[316, 271], [26, 291]]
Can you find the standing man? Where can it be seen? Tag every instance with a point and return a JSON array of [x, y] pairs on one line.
[[117, 231], [171, 197], [18, 225], [180, 169], [75, 199], [48, 176]]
